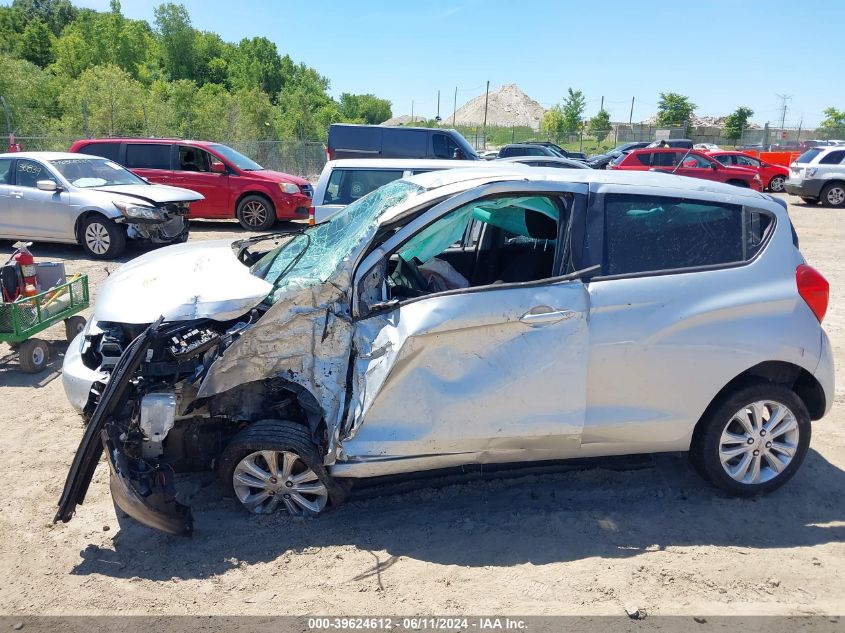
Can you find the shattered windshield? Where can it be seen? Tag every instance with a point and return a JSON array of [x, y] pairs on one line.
[[310, 257]]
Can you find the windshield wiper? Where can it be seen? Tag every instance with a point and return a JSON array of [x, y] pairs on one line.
[[245, 243]]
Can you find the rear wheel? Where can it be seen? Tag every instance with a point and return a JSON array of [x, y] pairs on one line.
[[274, 464], [833, 195], [754, 441], [102, 238], [255, 213], [776, 184], [33, 355]]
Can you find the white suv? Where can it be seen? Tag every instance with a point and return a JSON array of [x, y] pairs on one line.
[[819, 174]]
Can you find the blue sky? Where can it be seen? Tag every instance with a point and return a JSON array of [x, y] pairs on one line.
[[720, 53]]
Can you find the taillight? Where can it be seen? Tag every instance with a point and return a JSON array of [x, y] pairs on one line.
[[328, 154], [312, 220], [813, 288]]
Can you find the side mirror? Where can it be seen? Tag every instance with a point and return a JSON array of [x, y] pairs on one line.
[[217, 167], [458, 154], [48, 185]]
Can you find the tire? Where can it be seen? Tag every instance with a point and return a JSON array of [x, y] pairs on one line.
[[721, 435], [73, 326], [301, 485], [809, 200], [776, 184], [33, 355], [833, 195], [102, 238], [256, 213]]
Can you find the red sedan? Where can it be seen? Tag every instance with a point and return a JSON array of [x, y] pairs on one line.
[[693, 164], [772, 176]]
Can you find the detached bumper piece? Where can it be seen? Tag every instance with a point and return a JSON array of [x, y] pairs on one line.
[[148, 495]]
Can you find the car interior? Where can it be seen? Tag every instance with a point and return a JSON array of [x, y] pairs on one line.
[[488, 242], [191, 159]]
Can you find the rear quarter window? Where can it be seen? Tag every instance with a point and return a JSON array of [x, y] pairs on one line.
[[648, 234], [833, 158], [105, 150]]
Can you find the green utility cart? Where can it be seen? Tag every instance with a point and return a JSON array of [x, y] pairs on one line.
[[27, 316]]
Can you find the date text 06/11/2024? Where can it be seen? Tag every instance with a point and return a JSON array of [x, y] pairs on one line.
[[430, 623]]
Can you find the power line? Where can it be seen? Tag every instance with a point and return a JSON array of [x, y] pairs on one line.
[[784, 100]]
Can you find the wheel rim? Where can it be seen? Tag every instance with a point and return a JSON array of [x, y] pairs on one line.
[[266, 480], [777, 183], [255, 213], [836, 195], [37, 355], [759, 442], [97, 238]]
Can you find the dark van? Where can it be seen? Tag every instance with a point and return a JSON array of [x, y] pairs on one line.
[[379, 141]]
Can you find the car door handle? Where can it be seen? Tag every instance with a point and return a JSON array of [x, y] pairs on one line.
[[532, 317]]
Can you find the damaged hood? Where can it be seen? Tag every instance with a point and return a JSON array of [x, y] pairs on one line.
[[180, 283], [156, 194]]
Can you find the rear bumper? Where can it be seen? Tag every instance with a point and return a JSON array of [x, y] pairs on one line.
[[825, 373], [807, 188]]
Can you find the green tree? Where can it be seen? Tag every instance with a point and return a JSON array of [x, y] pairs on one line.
[[12, 24], [56, 14], [599, 126], [364, 108], [736, 122], [177, 39], [36, 43], [553, 124], [31, 93], [574, 106], [113, 102], [674, 109], [833, 124], [257, 63]]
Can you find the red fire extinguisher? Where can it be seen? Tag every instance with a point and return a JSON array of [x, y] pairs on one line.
[[26, 261]]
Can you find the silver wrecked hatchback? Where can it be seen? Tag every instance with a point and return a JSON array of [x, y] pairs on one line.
[[459, 317], [79, 199]]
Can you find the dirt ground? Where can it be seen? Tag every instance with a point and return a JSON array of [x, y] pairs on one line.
[[590, 541]]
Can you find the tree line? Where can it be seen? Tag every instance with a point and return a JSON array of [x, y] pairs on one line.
[[73, 71]]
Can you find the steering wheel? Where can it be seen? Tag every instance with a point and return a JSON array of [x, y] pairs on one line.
[[407, 276]]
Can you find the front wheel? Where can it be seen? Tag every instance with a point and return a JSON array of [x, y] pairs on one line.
[[776, 184], [255, 213], [833, 195], [274, 464], [102, 238], [754, 441]]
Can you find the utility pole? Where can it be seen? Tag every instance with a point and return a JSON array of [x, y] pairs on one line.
[[437, 118], [8, 117], [486, 97], [631, 116], [455, 106], [601, 107], [412, 111], [784, 99]]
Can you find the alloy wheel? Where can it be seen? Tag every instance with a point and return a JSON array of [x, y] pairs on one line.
[[777, 184], [759, 442], [265, 480], [97, 238], [836, 196], [255, 213]]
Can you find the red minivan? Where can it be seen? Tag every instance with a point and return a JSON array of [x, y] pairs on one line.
[[234, 186], [692, 163]]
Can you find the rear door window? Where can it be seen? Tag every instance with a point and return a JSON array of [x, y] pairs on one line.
[[653, 233], [147, 156], [105, 150], [347, 185]]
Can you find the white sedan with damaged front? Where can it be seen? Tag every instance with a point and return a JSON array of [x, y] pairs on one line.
[[461, 317]]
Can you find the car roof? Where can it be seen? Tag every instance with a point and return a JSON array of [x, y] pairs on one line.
[[130, 139], [402, 163], [524, 145], [48, 155], [545, 159], [433, 180]]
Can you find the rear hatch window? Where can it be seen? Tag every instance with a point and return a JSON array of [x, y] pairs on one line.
[[808, 156]]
